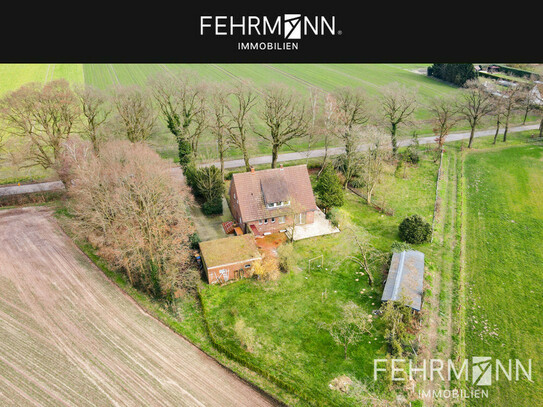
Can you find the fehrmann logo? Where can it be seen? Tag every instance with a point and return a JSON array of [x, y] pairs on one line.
[[290, 27], [293, 26], [484, 372], [481, 370]]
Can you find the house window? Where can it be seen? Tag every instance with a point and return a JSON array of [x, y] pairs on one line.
[[273, 220], [265, 221], [234, 195], [260, 222], [247, 266], [281, 219]]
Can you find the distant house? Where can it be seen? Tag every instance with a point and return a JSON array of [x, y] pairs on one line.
[[228, 258], [405, 279], [267, 201]]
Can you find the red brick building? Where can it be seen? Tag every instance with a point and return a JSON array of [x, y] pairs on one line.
[[229, 258], [266, 201]]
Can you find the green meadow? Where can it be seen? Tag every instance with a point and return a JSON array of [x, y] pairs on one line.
[[504, 265]]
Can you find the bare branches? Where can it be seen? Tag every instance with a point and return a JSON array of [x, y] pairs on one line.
[[286, 118], [135, 116], [398, 104], [444, 116], [43, 117], [474, 104], [242, 101], [95, 110], [126, 204]]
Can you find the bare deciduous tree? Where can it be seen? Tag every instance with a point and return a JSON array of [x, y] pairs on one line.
[[373, 160], [351, 327], [285, 115], [128, 206], [95, 110], [217, 120], [444, 117], [135, 115], [352, 113], [474, 104], [398, 104], [242, 100], [512, 101], [42, 117]]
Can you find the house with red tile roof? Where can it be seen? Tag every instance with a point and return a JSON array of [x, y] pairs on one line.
[[268, 201]]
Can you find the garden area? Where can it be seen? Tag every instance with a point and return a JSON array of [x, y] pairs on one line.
[[282, 326]]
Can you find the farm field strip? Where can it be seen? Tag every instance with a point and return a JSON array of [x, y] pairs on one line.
[[503, 258], [71, 337]]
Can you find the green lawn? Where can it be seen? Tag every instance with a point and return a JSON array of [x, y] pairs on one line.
[[504, 272], [285, 314]]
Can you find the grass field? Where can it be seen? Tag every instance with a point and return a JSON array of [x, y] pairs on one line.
[[285, 314], [504, 273]]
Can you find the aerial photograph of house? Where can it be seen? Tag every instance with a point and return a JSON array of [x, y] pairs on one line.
[[239, 233]]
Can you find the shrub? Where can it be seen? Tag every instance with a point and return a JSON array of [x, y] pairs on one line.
[[267, 269], [194, 239], [398, 247], [415, 230], [213, 206], [333, 216], [286, 257], [411, 155]]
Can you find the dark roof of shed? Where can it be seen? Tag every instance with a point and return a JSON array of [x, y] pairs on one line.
[[405, 278]]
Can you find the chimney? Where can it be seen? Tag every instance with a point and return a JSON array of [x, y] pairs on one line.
[[281, 166], [252, 170]]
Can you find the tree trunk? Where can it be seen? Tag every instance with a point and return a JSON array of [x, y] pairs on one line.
[[541, 129], [505, 130], [497, 131], [471, 136], [393, 138], [246, 160], [275, 154]]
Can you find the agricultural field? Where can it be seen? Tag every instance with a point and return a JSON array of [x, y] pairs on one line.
[[504, 254], [302, 77], [71, 337], [276, 324]]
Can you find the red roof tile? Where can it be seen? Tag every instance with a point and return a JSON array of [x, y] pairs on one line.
[[288, 183]]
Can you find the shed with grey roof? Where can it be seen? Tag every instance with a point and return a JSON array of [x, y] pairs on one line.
[[405, 279]]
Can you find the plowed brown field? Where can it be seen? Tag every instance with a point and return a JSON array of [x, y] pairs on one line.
[[68, 336]]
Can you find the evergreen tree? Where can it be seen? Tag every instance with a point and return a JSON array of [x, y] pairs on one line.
[[329, 189]]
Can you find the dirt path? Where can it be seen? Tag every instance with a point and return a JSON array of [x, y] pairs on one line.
[[439, 331], [70, 337]]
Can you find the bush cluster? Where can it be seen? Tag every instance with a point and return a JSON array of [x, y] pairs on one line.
[[415, 230]]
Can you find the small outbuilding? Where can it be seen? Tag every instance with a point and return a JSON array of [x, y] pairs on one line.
[[405, 279], [229, 258]]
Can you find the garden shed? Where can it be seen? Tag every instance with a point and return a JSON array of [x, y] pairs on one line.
[[229, 258], [405, 279]]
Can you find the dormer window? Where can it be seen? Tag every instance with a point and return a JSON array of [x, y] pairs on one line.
[[277, 204]]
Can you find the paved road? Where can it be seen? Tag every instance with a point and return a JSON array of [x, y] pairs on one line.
[[266, 159], [338, 150], [70, 337], [31, 188]]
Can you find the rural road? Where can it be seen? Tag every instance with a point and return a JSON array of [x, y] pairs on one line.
[[338, 150], [266, 159], [70, 337]]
